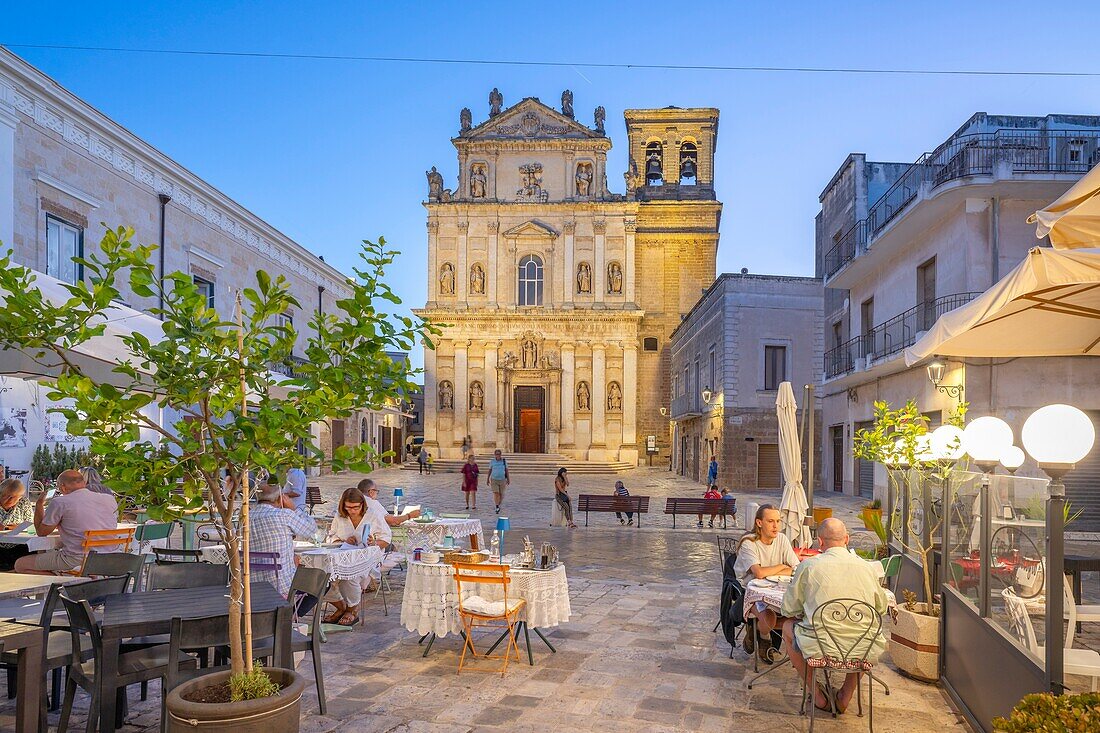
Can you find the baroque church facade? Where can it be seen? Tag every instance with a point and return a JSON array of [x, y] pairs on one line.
[[559, 296]]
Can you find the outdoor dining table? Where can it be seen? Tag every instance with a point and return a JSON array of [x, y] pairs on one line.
[[27, 640], [430, 602], [426, 535], [148, 614], [346, 562], [22, 585], [34, 543]]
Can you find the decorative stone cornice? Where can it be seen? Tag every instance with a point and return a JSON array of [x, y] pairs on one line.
[[433, 225], [599, 226], [463, 226], [631, 225], [42, 102], [494, 227], [569, 227]]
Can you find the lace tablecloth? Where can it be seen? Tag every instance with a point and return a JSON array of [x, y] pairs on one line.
[[425, 536], [343, 564], [430, 603], [771, 595]]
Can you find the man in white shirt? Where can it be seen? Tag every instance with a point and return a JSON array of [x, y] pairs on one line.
[[377, 514], [833, 575], [366, 485], [72, 512], [296, 484], [762, 553]]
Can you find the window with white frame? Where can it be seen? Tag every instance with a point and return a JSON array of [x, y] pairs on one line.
[[284, 319], [775, 366], [63, 242], [205, 288], [530, 281]]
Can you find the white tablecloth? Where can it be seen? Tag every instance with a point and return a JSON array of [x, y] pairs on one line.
[[430, 603], [425, 536], [771, 595], [343, 564]]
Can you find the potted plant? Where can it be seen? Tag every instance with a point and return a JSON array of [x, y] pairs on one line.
[[235, 414], [871, 508], [1048, 713], [899, 440]]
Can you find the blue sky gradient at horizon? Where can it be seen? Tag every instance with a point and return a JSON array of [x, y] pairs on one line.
[[332, 152]]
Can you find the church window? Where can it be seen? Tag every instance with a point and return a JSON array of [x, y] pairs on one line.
[[654, 167], [689, 163], [649, 343], [530, 281]]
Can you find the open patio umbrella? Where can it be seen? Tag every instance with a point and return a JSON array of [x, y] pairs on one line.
[[1073, 221], [1048, 306], [793, 506]]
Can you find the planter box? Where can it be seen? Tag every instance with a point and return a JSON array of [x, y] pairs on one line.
[[821, 514], [279, 713], [915, 643], [866, 513]]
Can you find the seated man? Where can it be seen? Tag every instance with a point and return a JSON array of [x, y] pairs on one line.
[[620, 490], [712, 493], [72, 511], [763, 552], [391, 520], [833, 575], [273, 524]]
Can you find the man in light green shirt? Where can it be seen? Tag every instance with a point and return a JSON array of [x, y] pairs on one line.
[[833, 575]]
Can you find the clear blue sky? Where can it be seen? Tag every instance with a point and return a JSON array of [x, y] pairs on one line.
[[332, 152]]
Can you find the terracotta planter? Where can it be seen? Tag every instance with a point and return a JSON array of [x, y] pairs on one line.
[[866, 515], [821, 514], [277, 713], [915, 643]]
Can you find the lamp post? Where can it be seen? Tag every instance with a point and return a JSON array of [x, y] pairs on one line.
[[397, 494], [986, 439], [1057, 437], [707, 394], [935, 372]]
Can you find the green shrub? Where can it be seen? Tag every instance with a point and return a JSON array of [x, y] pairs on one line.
[[1045, 713], [253, 685]]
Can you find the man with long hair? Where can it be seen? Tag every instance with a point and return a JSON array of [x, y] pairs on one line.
[[764, 551]]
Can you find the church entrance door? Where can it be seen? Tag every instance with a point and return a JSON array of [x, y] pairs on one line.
[[529, 434]]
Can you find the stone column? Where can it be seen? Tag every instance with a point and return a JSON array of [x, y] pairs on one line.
[[599, 266], [431, 400], [630, 398], [8, 122], [628, 266], [433, 259], [568, 395], [570, 268], [492, 267], [462, 390], [599, 399], [462, 276], [491, 392]]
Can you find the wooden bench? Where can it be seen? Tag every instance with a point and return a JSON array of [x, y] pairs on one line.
[[639, 505], [723, 507], [313, 497]]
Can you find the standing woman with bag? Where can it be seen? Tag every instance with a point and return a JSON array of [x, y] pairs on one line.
[[469, 480], [561, 495]]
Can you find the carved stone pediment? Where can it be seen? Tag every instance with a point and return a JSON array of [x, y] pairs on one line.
[[529, 119], [532, 228]]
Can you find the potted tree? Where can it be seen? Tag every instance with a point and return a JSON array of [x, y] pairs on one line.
[[232, 412], [869, 510], [899, 439]]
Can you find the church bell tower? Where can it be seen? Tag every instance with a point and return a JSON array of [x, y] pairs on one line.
[[671, 153]]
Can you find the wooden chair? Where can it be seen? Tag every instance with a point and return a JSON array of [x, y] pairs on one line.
[[142, 665], [313, 497], [265, 562], [112, 538], [478, 611]]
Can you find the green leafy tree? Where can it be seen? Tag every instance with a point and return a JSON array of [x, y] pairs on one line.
[[236, 414]]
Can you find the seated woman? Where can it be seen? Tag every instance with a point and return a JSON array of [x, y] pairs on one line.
[[15, 509], [351, 525]]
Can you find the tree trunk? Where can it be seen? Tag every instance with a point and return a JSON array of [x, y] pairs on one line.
[[236, 600]]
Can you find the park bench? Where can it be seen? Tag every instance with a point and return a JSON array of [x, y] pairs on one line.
[[313, 497], [639, 505], [706, 507]]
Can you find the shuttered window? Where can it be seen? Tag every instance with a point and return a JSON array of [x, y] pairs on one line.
[[769, 475], [865, 470]]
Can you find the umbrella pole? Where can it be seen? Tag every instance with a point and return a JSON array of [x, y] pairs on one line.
[[808, 416]]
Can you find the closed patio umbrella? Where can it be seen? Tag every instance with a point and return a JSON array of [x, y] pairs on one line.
[[793, 506], [1073, 221]]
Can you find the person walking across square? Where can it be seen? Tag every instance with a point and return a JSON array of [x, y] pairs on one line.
[[422, 460], [498, 479], [712, 471], [469, 481]]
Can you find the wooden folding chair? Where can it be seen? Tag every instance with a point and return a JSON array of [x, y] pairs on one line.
[[478, 611], [113, 538]]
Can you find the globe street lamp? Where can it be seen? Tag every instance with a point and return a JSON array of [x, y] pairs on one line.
[[986, 439], [1012, 458]]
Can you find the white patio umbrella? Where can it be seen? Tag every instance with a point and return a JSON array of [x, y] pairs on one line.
[[1048, 306], [1073, 221], [793, 507]]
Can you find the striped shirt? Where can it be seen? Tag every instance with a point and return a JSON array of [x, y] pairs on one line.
[[272, 529]]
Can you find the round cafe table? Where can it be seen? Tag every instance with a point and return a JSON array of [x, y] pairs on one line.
[[430, 603], [426, 535]]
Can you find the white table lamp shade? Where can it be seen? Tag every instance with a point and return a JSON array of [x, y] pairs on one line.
[[1058, 434], [986, 438]]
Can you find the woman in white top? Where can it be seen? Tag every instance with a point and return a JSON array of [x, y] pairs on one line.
[[763, 552], [352, 526]]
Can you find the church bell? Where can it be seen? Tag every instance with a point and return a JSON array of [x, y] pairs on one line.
[[653, 168], [687, 168]]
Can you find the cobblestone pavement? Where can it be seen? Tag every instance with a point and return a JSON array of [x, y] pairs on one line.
[[638, 653]]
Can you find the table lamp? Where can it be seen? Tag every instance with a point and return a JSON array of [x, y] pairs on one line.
[[503, 525], [397, 494]]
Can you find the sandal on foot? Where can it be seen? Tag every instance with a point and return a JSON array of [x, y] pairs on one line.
[[348, 619], [333, 617], [829, 699]]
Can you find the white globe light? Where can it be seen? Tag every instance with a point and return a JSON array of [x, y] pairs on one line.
[[986, 438], [1058, 434], [923, 450], [1012, 457], [947, 443]]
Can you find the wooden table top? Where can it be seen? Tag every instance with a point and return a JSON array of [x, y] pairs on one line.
[[15, 585], [1082, 562], [16, 635], [152, 612]]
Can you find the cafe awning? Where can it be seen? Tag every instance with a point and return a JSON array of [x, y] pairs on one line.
[[1048, 306], [1073, 221]]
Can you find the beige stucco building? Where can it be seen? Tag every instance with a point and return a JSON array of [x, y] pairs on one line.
[[558, 296]]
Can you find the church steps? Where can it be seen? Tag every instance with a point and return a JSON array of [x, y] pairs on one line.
[[530, 463]]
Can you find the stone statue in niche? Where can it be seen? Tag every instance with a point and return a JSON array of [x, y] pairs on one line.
[[600, 115], [530, 354], [465, 119], [435, 184], [549, 360], [478, 180], [446, 396], [631, 177], [509, 360], [477, 397], [614, 397], [496, 101], [477, 280], [447, 279], [567, 103], [530, 176], [584, 397], [584, 179], [614, 278], [584, 278]]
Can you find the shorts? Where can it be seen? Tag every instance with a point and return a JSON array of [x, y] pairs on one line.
[[498, 485], [56, 561]]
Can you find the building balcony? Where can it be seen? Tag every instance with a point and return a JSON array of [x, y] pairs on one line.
[[1000, 155], [689, 404], [891, 337]]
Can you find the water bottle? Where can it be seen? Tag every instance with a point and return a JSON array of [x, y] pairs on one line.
[[494, 545]]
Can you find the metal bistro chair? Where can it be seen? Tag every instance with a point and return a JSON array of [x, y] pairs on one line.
[[313, 497], [831, 623], [1084, 662], [165, 555], [188, 575], [112, 564], [891, 568], [476, 611], [727, 548]]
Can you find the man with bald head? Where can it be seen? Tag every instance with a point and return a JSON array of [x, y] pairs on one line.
[[835, 574], [72, 511]]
